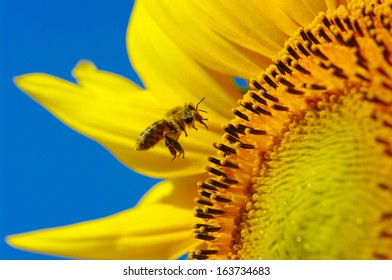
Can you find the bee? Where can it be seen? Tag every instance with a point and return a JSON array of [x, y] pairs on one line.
[[176, 121]]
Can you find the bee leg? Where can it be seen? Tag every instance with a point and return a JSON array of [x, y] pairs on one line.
[[183, 129], [172, 150], [203, 123], [173, 146]]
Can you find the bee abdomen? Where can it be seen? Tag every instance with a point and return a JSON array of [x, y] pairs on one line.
[[151, 135]]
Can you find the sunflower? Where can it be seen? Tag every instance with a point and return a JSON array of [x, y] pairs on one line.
[[300, 168]]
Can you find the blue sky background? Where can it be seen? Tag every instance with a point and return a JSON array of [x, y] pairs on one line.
[[51, 175]]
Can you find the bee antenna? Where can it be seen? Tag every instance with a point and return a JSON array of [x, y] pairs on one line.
[[197, 105]]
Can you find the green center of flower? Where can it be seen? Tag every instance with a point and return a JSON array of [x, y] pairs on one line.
[[317, 196], [305, 167]]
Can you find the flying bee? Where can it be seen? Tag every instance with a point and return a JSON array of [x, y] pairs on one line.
[[176, 121]]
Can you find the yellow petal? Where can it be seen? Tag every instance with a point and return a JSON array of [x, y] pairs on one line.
[[303, 12], [258, 26], [148, 231], [186, 31], [168, 71], [178, 191], [113, 111], [99, 107], [333, 4], [232, 37]]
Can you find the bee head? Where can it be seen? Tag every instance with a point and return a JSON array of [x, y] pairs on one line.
[[192, 115]]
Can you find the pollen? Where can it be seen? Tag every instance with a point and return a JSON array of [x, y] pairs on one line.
[[304, 168]]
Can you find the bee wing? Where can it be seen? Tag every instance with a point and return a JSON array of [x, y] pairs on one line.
[[174, 111]]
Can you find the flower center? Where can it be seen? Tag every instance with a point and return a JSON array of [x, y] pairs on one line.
[[305, 167]]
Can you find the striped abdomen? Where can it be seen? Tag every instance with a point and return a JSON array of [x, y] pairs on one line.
[[151, 135]]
